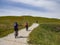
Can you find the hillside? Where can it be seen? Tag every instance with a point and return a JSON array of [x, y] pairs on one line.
[[6, 22], [48, 33]]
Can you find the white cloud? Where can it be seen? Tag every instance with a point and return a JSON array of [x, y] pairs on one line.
[[51, 5], [20, 12], [48, 4]]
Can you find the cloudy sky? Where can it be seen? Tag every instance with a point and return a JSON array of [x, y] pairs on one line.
[[44, 8]]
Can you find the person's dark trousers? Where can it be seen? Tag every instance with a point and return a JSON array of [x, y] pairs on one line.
[[16, 34], [27, 28]]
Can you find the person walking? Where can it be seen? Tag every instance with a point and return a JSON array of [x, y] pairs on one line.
[[26, 25], [16, 29]]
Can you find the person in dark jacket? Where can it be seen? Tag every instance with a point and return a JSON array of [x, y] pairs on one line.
[[16, 29], [26, 25]]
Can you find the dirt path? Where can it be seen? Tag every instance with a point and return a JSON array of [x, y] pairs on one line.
[[22, 37]]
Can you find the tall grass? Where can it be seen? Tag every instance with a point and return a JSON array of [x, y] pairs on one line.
[[45, 34], [7, 24]]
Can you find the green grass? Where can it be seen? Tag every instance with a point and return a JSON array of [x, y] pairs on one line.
[[45, 34], [7, 23], [48, 33]]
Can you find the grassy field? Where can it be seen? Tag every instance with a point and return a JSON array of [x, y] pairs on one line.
[[45, 34], [48, 32], [7, 24]]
